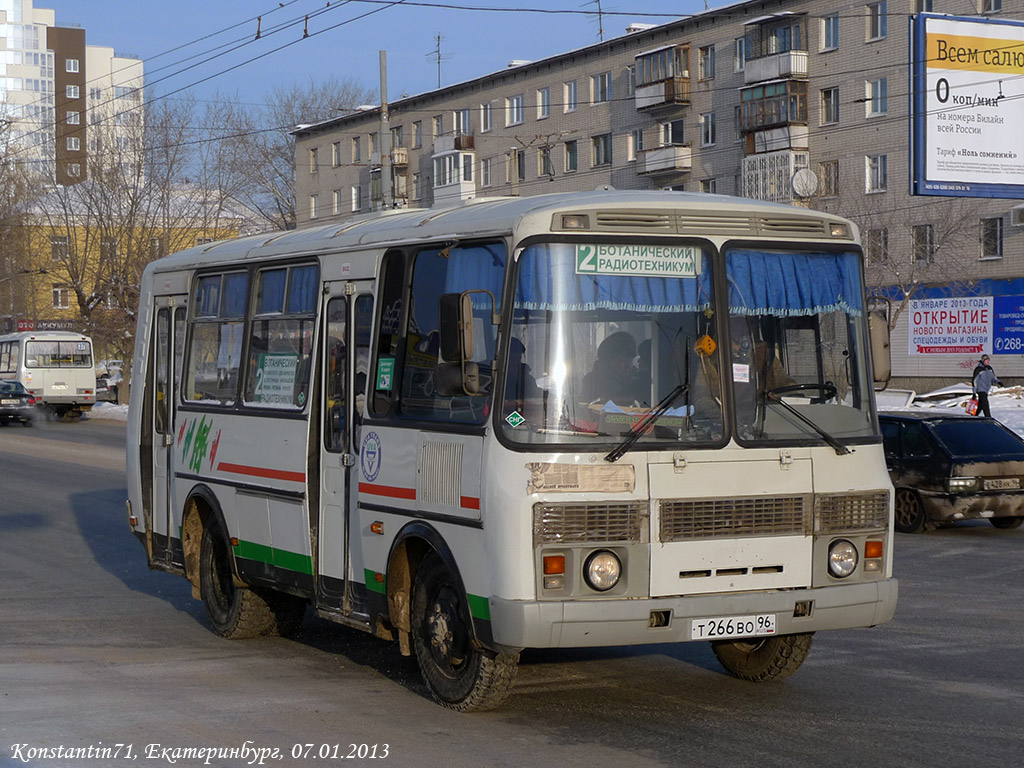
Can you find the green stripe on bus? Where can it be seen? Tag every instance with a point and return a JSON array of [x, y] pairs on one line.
[[291, 561], [370, 577], [479, 607]]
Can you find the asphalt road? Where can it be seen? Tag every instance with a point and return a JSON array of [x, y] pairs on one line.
[[97, 650]]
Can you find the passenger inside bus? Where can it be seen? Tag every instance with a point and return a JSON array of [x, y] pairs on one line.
[[612, 376]]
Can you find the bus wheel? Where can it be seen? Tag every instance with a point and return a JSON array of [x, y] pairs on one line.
[[761, 659], [460, 675], [235, 612], [1006, 523]]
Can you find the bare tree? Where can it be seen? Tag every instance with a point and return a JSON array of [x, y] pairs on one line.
[[259, 151]]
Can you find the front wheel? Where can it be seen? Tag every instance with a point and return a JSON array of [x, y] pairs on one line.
[[759, 660], [1006, 523], [910, 514], [460, 675]]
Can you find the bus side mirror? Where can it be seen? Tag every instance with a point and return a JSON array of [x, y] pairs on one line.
[[455, 313], [878, 338]]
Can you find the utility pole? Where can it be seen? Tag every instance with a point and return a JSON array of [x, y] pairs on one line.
[[385, 136]]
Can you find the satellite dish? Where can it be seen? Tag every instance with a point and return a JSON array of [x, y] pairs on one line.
[[804, 182]]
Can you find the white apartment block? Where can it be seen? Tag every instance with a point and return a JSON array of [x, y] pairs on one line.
[[795, 101], [63, 98]]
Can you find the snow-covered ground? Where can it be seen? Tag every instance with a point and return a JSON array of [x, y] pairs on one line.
[[109, 412], [1006, 403]]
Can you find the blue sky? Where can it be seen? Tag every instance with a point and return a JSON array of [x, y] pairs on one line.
[[167, 36]]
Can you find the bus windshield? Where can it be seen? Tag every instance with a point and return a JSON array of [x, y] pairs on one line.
[[58, 354], [604, 334], [601, 334]]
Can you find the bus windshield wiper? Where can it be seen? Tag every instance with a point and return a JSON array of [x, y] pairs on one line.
[[839, 448], [645, 424]]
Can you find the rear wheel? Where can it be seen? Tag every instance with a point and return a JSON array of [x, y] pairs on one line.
[[235, 612], [1006, 523], [910, 516], [759, 660], [459, 674]]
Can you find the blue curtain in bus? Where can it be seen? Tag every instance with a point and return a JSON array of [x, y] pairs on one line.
[[548, 281], [473, 268], [271, 295], [302, 289], [784, 284]]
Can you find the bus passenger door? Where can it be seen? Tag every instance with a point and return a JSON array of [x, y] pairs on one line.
[[168, 338], [344, 370]]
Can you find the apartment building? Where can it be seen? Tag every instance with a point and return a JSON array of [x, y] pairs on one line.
[[795, 101], [61, 99]]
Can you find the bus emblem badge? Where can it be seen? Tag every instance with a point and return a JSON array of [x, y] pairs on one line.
[[369, 456], [515, 419]]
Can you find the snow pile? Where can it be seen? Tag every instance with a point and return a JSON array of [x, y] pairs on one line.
[[109, 412]]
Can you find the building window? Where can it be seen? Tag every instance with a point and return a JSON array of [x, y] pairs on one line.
[[601, 149], [773, 104], [923, 245], [336, 202], [544, 166], [830, 32], [672, 134], [631, 80], [446, 170], [417, 186], [74, 144], [569, 97], [486, 168], [417, 134], [59, 247], [398, 136], [877, 21], [437, 125], [336, 154], [514, 110], [571, 156], [636, 144], [463, 122], [740, 54], [543, 103], [877, 92], [356, 197], [922, 6], [467, 167], [708, 186], [156, 248], [61, 297], [829, 106], [486, 117], [515, 167], [828, 178], [876, 245], [374, 144], [357, 149], [108, 250], [74, 170], [707, 129], [314, 160], [987, 6], [992, 238], [74, 118], [70, 65], [312, 206], [877, 173], [71, 92], [601, 88], [706, 62]]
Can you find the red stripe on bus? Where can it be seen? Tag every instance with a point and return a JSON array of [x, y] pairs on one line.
[[270, 474], [469, 502], [387, 490]]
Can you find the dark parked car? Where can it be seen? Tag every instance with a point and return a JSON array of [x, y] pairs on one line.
[[16, 404], [948, 467]]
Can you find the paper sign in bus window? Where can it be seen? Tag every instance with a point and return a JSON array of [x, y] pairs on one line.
[[275, 379]]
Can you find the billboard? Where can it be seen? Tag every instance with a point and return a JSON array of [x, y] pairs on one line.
[[967, 86]]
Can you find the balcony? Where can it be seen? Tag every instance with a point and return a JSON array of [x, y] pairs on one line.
[[674, 159], [674, 91], [785, 65], [399, 156], [453, 143], [789, 137]]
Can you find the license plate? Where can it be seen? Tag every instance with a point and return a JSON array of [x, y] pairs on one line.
[[59, 387], [1002, 483], [8, 402], [732, 626]]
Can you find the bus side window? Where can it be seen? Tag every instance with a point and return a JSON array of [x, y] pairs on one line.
[[334, 386], [389, 334], [162, 350], [215, 352]]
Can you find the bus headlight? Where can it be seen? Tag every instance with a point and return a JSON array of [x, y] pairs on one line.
[[842, 558], [602, 570]]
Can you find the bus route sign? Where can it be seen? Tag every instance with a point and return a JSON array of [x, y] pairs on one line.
[[637, 260]]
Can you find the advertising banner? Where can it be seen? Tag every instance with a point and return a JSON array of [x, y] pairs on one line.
[[968, 106], [951, 326]]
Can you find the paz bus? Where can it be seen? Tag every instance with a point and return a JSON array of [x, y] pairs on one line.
[[589, 419], [54, 366]]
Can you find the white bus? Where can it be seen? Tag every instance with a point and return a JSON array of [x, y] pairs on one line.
[[56, 367], [592, 419]]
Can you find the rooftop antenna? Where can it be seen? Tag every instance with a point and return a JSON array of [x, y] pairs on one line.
[[438, 56], [600, 19]]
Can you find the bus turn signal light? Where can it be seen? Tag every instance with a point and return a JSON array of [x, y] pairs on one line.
[[873, 549], [554, 564], [377, 527]]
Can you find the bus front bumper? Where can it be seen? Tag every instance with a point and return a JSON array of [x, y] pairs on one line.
[[583, 623]]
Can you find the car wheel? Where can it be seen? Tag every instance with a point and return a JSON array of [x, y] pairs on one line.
[[761, 659], [910, 516], [1006, 523], [459, 674]]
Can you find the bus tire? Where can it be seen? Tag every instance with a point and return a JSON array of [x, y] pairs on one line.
[[1006, 523], [760, 659], [235, 612], [459, 674]]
